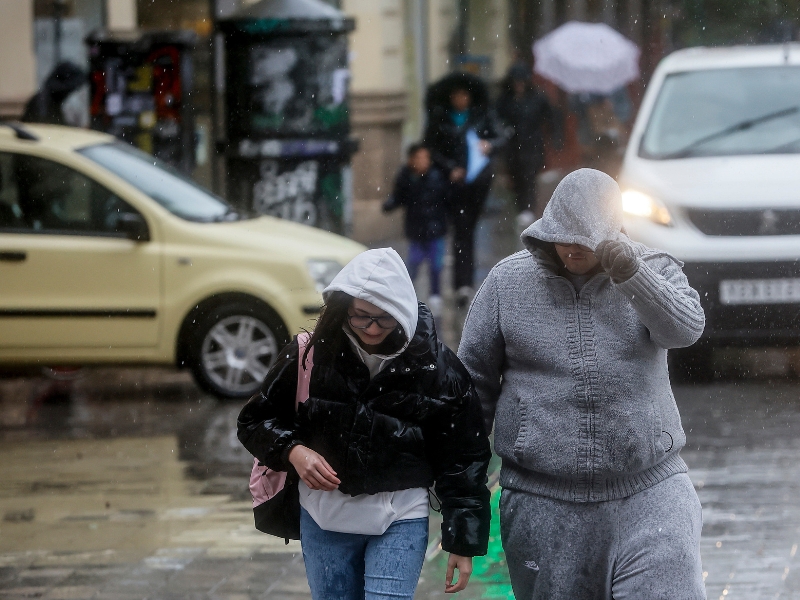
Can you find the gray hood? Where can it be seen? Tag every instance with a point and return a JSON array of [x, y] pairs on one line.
[[586, 209], [380, 277]]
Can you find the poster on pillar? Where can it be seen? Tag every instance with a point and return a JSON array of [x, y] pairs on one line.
[[288, 87]]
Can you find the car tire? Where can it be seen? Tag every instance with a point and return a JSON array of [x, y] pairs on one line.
[[692, 365], [233, 347]]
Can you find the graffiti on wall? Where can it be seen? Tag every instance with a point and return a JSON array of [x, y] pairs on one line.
[[288, 195], [297, 89], [274, 88]]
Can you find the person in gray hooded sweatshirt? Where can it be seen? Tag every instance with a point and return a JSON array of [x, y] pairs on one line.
[[566, 343]]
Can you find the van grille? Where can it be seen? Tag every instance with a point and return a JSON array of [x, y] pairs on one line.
[[746, 222]]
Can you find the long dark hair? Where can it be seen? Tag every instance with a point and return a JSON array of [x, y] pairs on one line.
[[334, 316]]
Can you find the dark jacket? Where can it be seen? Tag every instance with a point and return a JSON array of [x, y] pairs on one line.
[[45, 105], [416, 422], [526, 119], [425, 199], [447, 141]]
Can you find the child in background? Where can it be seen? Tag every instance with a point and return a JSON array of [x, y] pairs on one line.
[[423, 191]]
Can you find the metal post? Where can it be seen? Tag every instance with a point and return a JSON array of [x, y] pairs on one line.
[[216, 90], [418, 21]]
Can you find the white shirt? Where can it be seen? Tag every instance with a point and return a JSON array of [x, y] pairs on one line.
[[367, 514]]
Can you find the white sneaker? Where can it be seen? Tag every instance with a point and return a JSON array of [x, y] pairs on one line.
[[435, 304]]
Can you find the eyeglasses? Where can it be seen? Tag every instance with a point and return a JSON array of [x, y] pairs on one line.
[[365, 321]]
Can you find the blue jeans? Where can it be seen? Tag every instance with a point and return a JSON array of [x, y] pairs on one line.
[[433, 252], [348, 566]]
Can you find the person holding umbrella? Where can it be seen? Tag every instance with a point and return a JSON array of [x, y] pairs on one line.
[[526, 113], [461, 134]]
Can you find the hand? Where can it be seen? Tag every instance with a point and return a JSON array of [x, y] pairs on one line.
[[314, 470], [457, 174], [464, 566], [618, 259], [486, 147]]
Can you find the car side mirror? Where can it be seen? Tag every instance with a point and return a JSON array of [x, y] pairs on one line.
[[133, 226]]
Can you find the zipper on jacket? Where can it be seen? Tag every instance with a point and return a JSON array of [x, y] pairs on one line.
[[587, 388]]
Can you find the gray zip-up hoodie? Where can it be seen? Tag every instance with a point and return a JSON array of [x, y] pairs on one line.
[[576, 384]]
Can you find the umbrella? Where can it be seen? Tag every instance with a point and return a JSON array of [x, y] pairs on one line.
[[586, 57]]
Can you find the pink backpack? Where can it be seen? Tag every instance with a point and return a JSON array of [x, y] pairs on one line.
[[276, 507]]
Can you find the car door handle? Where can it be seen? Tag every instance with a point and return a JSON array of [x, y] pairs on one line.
[[13, 256]]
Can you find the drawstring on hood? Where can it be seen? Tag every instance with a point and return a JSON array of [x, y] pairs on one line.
[[380, 277], [585, 209]]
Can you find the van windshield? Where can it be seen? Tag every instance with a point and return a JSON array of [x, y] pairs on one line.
[[725, 112], [174, 191]]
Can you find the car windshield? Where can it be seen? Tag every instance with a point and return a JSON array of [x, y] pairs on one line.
[[171, 189], [724, 112]]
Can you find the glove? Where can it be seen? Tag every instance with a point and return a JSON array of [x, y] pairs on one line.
[[617, 259]]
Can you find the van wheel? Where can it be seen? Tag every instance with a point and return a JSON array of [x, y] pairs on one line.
[[692, 365], [233, 348]]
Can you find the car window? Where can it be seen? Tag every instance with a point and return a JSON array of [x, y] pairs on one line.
[[172, 190], [40, 195], [719, 112]]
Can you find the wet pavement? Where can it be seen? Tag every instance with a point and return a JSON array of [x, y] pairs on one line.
[[130, 484]]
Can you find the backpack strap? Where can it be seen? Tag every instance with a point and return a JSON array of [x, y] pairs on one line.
[[303, 374]]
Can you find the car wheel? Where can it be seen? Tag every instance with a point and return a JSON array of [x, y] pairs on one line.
[[692, 365], [233, 348]]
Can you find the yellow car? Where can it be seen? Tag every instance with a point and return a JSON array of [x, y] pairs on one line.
[[109, 256]]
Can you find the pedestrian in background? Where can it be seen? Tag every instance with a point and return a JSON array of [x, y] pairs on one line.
[[391, 410], [567, 343], [527, 115], [461, 134], [46, 106], [423, 191]]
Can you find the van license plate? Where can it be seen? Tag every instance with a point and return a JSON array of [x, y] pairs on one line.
[[759, 291]]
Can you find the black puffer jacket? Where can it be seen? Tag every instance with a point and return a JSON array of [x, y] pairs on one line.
[[416, 422], [448, 141]]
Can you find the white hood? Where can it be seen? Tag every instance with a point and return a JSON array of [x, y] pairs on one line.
[[380, 277]]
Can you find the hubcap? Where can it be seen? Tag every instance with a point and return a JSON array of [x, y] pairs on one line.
[[238, 352]]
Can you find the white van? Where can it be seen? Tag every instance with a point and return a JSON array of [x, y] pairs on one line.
[[712, 175]]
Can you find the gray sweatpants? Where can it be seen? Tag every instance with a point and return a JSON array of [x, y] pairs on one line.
[[644, 547]]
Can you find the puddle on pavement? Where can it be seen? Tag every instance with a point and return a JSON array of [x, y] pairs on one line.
[[117, 500]]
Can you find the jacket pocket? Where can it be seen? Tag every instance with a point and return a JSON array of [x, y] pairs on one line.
[[521, 440]]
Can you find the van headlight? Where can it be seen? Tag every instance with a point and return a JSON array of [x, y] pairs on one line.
[[639, 204], [322, 272]]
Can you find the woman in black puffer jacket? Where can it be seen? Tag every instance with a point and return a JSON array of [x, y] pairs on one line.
[[391, 411]]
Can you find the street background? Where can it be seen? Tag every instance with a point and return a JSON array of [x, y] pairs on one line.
[[129, 483], [136, 486]]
